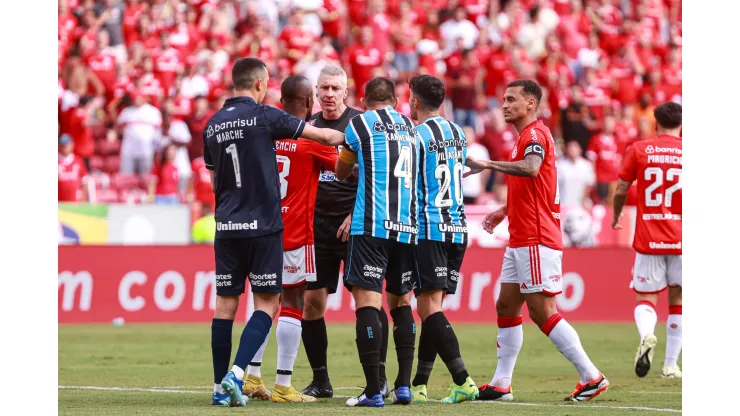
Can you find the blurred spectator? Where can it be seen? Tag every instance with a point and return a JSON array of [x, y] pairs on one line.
[[406, 35], [177, 133], [531, 36], [141, 126], [197, 125], [193, 83], [458, 27], [294, 40], [575, 177], [203, 230], [361, 59], [465, 83], [72, 172], [578, 122], [111, 16], [474, 186], [602, 151], [200, 189], [165, 179], [625, 131]]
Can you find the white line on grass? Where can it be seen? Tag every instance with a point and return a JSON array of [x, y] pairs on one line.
[[571, 406]]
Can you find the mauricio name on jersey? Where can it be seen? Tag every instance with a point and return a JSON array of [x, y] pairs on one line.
[[441, 161], [386, 143], [242, 134]]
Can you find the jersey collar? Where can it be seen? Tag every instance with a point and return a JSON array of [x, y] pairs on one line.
[[233, 100]]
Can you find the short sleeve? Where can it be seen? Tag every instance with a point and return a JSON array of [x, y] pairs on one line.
[[207, 158], [326, 156], [351, 140], [629, 166], [282, 125], [537, 144]]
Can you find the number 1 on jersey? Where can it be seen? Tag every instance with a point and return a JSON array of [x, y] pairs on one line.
[[403, 167], [235, 159]]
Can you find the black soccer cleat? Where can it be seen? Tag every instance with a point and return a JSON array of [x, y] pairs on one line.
[[319, 390], [489, 392]]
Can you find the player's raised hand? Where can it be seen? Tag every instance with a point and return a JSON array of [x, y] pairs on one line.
[[616, 222], [343, 231], [494, 219], [476, 166]]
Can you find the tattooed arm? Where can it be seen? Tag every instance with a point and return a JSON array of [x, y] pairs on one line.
[[528, 167]]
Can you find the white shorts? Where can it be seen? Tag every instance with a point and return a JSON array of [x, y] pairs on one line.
[[534, 268], [653, 273], [299, 266]]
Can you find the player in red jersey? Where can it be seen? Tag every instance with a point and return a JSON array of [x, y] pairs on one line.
[[656, 165], [299, 166], [531, 270]]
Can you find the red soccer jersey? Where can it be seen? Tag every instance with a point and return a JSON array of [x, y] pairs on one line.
[[362, 60], [299, 167], [602, 150], [202, 183], [297, 39], [656, 164], [534, 203], [168, 179], [71, 172]]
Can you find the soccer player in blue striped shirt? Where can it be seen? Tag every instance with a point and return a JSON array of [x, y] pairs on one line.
[[442, 236], [383, 233]]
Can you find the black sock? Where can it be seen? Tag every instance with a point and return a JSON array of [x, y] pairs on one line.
[[384, 344], [315, 342], [404, 335], [447, 346], [221, 347], [367, 331], [253, 336], [426, 356]]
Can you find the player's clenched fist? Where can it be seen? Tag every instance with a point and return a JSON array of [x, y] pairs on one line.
[[494, 219], [476, 166]]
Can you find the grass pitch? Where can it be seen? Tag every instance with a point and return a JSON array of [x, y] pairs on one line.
[[143, 369]]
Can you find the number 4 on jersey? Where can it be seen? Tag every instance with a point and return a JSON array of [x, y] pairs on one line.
[[403, 169]]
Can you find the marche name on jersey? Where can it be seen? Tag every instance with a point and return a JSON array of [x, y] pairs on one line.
[[399, 226], [222, 136]]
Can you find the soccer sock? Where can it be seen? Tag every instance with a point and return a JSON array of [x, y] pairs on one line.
[[316, 343], [221, 347], [508, 344], [255, 366], [645, 318], [368, 341], [426, 355], [674, 328], [253, 336], [404, 336], [289, 340], [566, 340], [447, 346], [384, 344]]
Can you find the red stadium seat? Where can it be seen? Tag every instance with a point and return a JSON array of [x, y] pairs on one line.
[[96, 163], [112, 164], [132, 196], [107, 196], [125, 182]]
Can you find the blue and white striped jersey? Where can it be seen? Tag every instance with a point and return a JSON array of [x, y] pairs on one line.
[[387, 147], [441, 162]]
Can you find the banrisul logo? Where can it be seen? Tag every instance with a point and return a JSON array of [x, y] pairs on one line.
[[236, 226]]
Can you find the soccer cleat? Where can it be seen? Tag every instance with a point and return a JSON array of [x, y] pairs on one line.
[[588, 391], [402, 395], [671, 372], [233, 386], [419, 393], [644, 356], [254, 388], [489, 392], [319, 390], [288, 394], [221, 399], [363, 401], [385, 391], [458, 394]]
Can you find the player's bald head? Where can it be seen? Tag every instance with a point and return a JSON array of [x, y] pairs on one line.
[[295, 87]]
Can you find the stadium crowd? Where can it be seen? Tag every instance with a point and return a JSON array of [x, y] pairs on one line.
[[138, 80]]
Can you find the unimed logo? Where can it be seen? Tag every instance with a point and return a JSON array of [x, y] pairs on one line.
[[71, 282]]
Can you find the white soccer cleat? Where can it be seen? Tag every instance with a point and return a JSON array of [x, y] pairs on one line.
[[671, 372], [644, 356]]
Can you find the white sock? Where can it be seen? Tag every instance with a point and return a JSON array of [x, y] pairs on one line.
[[645, 318], [508, 343], [256, 370], [289, 340], [566, 340], [217, 388], [238, 372], [674, 330]]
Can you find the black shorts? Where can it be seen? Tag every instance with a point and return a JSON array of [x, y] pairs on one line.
[[260, 258], [602, 190], [372, 259], [330, 251], [438, 266]]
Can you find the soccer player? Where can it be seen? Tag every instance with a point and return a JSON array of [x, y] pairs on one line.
[[531, 270], [656, 164], [442, 237], [299, 165], [383, 233], [334, 202], [249, 228]]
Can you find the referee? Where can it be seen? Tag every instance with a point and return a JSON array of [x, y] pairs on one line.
[[248, 219]]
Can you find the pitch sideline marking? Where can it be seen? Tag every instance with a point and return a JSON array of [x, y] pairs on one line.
[[169, 390]]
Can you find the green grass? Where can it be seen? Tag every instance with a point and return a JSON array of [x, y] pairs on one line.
[[147, 356]]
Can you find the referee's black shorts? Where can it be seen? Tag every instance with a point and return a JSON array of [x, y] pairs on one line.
[[330, 252]]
